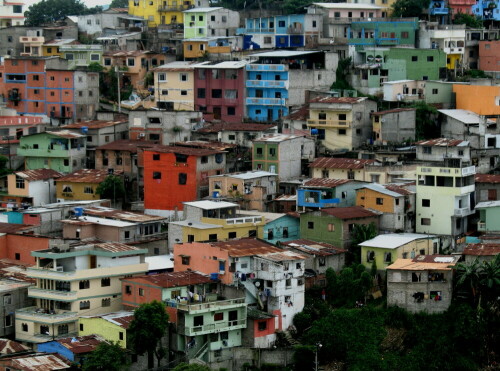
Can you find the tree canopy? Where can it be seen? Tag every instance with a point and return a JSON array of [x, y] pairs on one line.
[[48, 11], [409, 8], [148, 327], [111, 188], [119, 4], [106, 357], [469, 20]]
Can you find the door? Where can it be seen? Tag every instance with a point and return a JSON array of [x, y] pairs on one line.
[[93, 262], [217, 113]]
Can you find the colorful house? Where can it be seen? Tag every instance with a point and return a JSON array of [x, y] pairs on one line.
[[335, 225], [32, 187], [175, 174], [174, 86], [111, 326], [81, 185], [11, 14], [52, 48], [483, 100], [73, 348], [391, 32], [217, 47], [489, 216], [279, 227], [208, 22], [220, 90], [72, 280], [487, 187], [80, 55], [486, 10], [324, 192], [481, 252], [386, 248], [342, 123], [62, 151], [161, 12], [339, 168]]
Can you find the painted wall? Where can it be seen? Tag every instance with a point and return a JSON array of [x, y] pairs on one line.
[[106, 329], [483, 100]]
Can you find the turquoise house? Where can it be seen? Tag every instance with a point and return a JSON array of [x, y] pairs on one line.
[[63, 151], [279, 227], [489, 216]]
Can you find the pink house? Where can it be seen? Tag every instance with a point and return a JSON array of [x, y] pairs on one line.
[[220, 90]]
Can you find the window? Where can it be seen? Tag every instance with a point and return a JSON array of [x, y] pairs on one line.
[[370, 256], [24, 327], [219, 316], [231, 111], [430, 58], [162, 77], [281, 24], [201, 93], [288, 282], [128, 289], [105, 282], [130, 62], [331, 227], [154, 136], [434, 91], [380, 201], [85, 284], [88, 190], [19, 182], [388, 257], [120, 335], [426, 202], [310, 225], [231, 235], [36, 78], [85, 304], [185, 260], [212, 237], [94, 57], [17, 256], [141, 292], [374, 178], [183, 77], [17, 9], [435, 295], [216, 93], [342, 132], [198, 321], [182, 178], [156, 175], [7, 299], [404, 35], [262, 325], [425, 221], [414, 58]]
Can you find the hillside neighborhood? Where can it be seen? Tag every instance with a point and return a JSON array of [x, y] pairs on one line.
[[206, 185]]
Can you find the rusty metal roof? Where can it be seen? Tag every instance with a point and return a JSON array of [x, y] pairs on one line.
[[487, 178], [127, 145], [227, 126], [87, 176], [220, 146], [349, 100], [129, 216], [171, 279], [300, 114], [426, 262], [326, 182], [482, 249], [340, 163], [395, 110], [443, 142], [38, 362], [399, 189], [81, 344], [13, 228], [351, 212], [313, 247], [10, 346], [255, 247], [94, 124], [188, 151], [123, 54], [38, 174]]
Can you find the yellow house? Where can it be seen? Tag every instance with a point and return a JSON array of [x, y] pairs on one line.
[[199, 47], [81, 185], [174, 86], [386, 248], [51, 48], [34, 187], [160, 12], [111, 326]]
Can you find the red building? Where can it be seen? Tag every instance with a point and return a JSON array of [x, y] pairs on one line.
[[45, 86], [173, 175], [220, 90], [461, 6], [489, 55]]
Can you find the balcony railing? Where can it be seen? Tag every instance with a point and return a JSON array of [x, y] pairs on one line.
[[213, 327], [266, 101], [470, 170], [463, 212], [267, 84], [330, 123], [294, 30], [211, 306], [46, 316], [266, 67], [258, 30], [35, 292], [174, 8]]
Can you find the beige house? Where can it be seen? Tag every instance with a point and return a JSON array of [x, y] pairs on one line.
[[75, 280], [33, 187], [174, 86]]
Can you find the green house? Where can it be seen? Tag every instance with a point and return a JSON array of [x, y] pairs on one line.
[[79, 55], [489, 216], [63, 151]]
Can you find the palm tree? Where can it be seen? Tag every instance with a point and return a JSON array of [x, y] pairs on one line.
[[468, 275], [489, 278]]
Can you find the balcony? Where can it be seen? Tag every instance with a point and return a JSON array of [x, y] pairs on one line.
[[43, 316], [481, 226], [314, 198], [35, 292], [462, 212], [258, 30], [294, 30], [244, 219], [454, 50], [212, 306], [174, 8], [439, 11], [329, 123], [277, 84], [470, 170], [266, 67], [266, 101], [213, 327]]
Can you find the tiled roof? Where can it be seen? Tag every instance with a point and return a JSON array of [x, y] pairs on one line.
[[487, 178], [94, 124], [171, 279], [189, 151], [351, 212], [395, 110], [220, 146], [349, 100], [38, 174], [313, 247], [127, 145], [10, 346], [482, 249], [325, 182], [81, 344], [340, 163], [87, 176], [302, 113], [226, 126], [443, 142]]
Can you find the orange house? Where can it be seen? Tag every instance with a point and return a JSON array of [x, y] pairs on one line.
[[173, 175], [483, 100]]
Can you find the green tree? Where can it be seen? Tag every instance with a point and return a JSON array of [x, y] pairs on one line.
[[191, 367], [361, 233], [147, 329], [468, 279], [106, 357], [341, 75], [3, 166], [427, 126], [112, 188], [468, 19], [49, 11], [409, 8], [95, 67], [119, 4]]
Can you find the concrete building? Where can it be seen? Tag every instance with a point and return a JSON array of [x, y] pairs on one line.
[[481, 99], [252, 190], [396, 203], [12, 14], [489, 216], [279, 227], [112, 18], [485, 10], [277, 81], [339, 168], [489, 56], [81, 185], [279, 154], [422, 284], [75, 280], [445, 199], [80, 55], [487, 187], [481, 252], [341, 123], [318, 193], [212, 21], [174, 86], [33, 187], [334, 225], [473, 37], [212, 221], [439, 93], [214, 48], [387, 248], [14, 295], [383, 32], [438, 150], [393, 126]]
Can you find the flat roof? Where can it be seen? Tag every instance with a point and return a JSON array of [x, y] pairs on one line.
[[245, 176], [101, 221], [347, 6], [487, 204], [267, 215], [203, 10], [394, 240], [285, 53], [157, 262], [426, 262], [223, 65], [210, 205], [196, 224]]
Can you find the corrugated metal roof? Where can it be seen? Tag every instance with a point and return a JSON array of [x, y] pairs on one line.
[[94, 124], [127, 145], [487, 204], [301, 113], [340, 163], [219, 146], [122, 318], [482, 249], [395, 110], [287, 198], [278, 138], [65, 134], [115, 247], [381, 189], [81, 344], [87, 176], [183, 150], [410, 265], [10, 346], [313, 247], [325, 182], [340, 100], [38, 362], [38, 174], [347, 6], [443, 142], [487, 178], [394, 240], [171, 279], [462, 115], [226, 126], [352, 212], [128, 216]]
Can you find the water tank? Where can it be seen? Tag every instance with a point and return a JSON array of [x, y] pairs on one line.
[[314, 132], [78, 211], [85, 129], [215, 194]]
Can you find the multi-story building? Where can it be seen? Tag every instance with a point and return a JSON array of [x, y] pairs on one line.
[[439, 9], [487, 187], [32, 187], [437, 150], [214, 47], [74, 280], [461, 6], [278, 80], [489, 213], [165, 12], [52, 48], [489, 56], [31, 45], [279, 154], [252, 190], [483, 100], [383, 32], [45, 86], [473, 37], [175, 174], [81, 185], [394, 125], [282, 31], [174, 86], [208, 22], [205, 326], [481, 252], [486, 10], [220, 90], [80, 55], [62, 151], [318, 193], [273, 278], [439, 93], [342, 123], [422, 284], [445, 199], [111, 18], [396, 203], [339, 168], [11, 14], [14, 294], [213, 221]]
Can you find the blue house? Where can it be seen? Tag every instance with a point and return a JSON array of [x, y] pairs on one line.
[[73, 348], [487, 10], [279, 227], [319, 193], [438, 8], [390, 32]]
